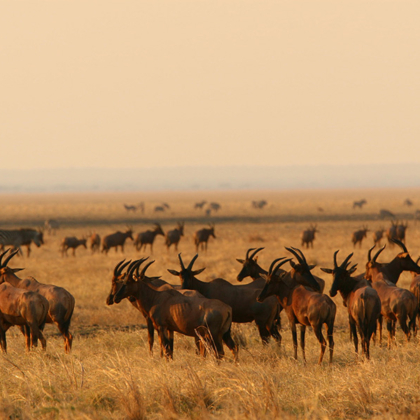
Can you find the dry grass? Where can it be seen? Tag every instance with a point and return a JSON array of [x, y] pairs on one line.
[[110, 374]]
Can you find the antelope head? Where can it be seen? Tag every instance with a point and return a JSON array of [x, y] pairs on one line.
[[303, 268], [250, 266], [186, 275], [273, 282]]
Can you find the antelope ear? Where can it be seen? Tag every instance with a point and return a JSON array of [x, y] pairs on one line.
[[311, 267], [292, 263], [240, 261], [15, 270], [196, 272], [173, 272], [327, 270]]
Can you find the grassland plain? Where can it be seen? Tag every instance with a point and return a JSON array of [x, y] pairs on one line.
[[110, 375]]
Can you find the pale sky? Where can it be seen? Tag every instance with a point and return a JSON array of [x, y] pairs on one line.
[[174, 83]]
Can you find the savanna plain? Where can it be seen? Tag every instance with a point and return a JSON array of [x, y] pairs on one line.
[[110, 374]]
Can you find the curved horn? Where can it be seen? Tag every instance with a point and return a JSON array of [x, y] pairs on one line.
[[400, 244], [122, 267], [115, 269], [301, 254], [180, 261], [346, 261], [143, 272], [417, 261], [255, 253], [298, 257], [247, 252], [142, 260], [272, 264], [132, 267], [377, 254], [12, 254], [335, 258], [1, 256], [370, 253], [280, 264], [190, 265]]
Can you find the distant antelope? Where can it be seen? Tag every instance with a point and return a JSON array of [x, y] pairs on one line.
[[215, 206], [358, 236], [130, 207], [51, 226], [401, 229], [408, 202], [378, 235], [200, 205], [115, 240], [21, 237], [259, 204], [148, 237], [359, 203], [386, 214], [95, 242], [308, 236], [174, 236], [202, 236], [73, 243]]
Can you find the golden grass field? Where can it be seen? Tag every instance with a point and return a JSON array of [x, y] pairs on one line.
[[109, 373]]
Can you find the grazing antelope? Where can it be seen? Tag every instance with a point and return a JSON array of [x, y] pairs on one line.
[[73, 243], [396, 304], [361, 300], [130, 207], [174, 236], [61, 302], [171, 311], [358, 236], [302, 305], [251, 268], [378, 235], [148, 237], [242, 299], [359, 203], [51, 226], [308, 236], [27, 309], [202, 236], [115, 240], [95, 242], [200, 205]]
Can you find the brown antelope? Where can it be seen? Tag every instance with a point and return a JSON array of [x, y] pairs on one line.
[[361, 300], [259, 204], [386, 214], [51, 226], [396, 303], [95, 242], [61, 302], [391, 232], [73, 243], [415, 289], [408, 202], [26, 309], [378, 235], [202, 236], [359, 203], [242, 299], [17, 238], [358, 236], [148, 237], [251, 268], [308, 236], [401, 229], [174, 236], [194, 316], [302, 305], [200, 205], [115, 240], [130, 207], [214, 206]]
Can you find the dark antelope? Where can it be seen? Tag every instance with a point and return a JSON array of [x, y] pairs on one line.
[[115, 240], [73, 243], [61, 302], [171, 311], [242, 299], [148, 237], [359, 235], [95, 242], [202, 237], [308, 236], [302, 305], [174, 236], [361, 300]]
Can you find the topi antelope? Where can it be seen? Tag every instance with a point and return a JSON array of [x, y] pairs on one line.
[[130, 208], [95, 242], [200, 205], [378, 235], [308, 236], [148, 237], [358, 236], [362, 302], [17, 238], [202, 236], [115, 240], [302, 305], [359, 203], [259, 204], [61, 302], [174, 236], [386, 214], [51, 226], [73, 243]]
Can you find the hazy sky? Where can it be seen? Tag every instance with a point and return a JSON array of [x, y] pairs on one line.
[[163, 83]]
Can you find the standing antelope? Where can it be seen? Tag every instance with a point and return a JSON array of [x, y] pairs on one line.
[[401, 229], [61, 302], [202, 236], [378, 235], [95, 242], [115, 240], [17, 238], [174, 236], [171, 311], [200, 205], [73, 243], [359, 203], [51, 226], [361, 300], [242, 299], [358, 236], [308, 236], [302, 305], [415, 289], [148, 237]]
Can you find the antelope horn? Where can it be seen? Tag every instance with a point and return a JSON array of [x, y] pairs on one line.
[[377, 254], [2, 255], [301, 253], [335, 258], [370, 253], [280, 264], [272, 264], [190, 265], [247, 252], [255, 253], [12, 254], [417, 261], [143, 272], [180, 261], [122, 267], [346, 261], [132, 267], [115, 269], [138, 265], [400, 244]]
